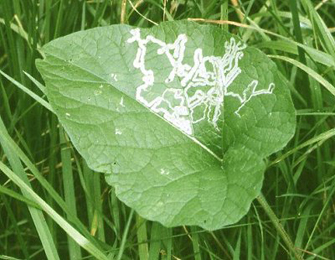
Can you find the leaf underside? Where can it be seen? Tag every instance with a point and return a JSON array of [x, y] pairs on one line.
[[179, 117]]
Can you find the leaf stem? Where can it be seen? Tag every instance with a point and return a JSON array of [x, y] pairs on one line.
[[261, 199]]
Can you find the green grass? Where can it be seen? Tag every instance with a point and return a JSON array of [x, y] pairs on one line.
[[52, 206]]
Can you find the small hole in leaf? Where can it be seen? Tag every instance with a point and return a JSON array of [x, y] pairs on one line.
[[115, 168]]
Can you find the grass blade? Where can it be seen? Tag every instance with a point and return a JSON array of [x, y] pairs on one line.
[[73, 233], [37, 215], [18, 196], [28, 91], [142, 238], [69, 193], [309, 71], [297, 29]]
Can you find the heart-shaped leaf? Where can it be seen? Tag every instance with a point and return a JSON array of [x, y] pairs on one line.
[[179, 117]]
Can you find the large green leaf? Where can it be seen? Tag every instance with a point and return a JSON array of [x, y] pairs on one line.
[[179, 117]]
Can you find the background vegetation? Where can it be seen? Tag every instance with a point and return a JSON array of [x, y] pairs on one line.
[[82, 218]]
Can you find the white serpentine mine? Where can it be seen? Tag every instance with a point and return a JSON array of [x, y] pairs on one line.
[[202, 91]]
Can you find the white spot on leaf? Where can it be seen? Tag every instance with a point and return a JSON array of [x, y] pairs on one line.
[[114, 77], [97, 92], [118, 131], [122, 102], [164, 172]]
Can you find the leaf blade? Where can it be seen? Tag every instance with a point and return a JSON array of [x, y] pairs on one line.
[[164, 170]]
